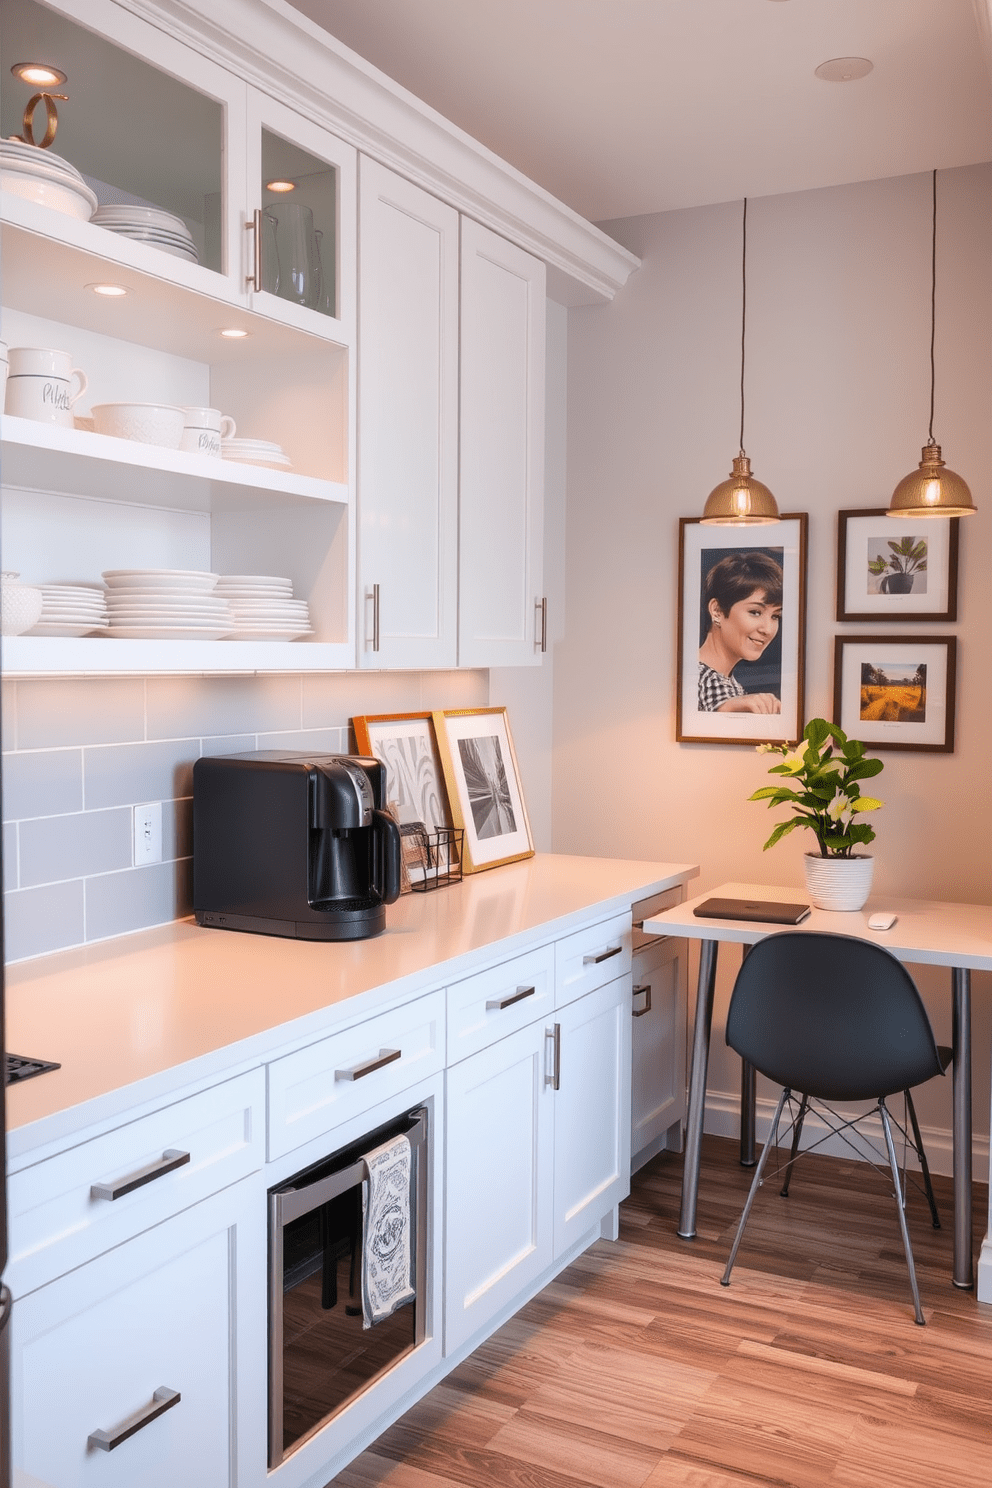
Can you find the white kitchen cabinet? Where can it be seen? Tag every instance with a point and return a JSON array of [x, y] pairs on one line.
[[502, 613], [658, 1024], [407, 424], [180, 1309]]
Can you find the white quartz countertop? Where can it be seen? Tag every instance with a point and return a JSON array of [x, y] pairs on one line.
[[133, 1019]]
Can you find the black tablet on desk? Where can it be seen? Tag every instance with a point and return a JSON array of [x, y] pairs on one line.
[[764, 911]]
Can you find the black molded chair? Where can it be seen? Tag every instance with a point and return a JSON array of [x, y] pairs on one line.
[[832, 1018]]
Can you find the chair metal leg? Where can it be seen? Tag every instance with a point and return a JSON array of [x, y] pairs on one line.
[[894, 1165], [925, 1166], [755, 1185], [797, 1132]]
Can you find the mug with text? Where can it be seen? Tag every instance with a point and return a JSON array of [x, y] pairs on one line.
[[39, 385], [203, 430]]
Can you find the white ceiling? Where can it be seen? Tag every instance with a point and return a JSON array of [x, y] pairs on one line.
[[620, 107]]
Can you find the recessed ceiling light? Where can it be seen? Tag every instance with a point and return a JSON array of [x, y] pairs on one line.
[[38, 74], [280, 185], [844, 69], [109, 291], [234, 333]]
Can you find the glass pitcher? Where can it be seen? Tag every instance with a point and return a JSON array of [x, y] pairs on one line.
[[293, 243]]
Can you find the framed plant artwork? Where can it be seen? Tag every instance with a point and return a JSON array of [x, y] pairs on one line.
[[415, 792], [896, 570], [480, 771], [742, 632], [896, 692]]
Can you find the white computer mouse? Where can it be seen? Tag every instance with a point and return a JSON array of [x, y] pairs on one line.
[[881, 921]]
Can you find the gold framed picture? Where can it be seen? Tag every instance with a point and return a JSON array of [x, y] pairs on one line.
[[483, 786]]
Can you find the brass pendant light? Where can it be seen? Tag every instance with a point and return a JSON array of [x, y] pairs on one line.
[[932, 490], [741, 501]]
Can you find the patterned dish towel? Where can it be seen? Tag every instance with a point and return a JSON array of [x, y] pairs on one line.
[[387, 1253]]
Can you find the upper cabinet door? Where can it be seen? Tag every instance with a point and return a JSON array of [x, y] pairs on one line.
[[501, 612], [407, 424], [301, 209]]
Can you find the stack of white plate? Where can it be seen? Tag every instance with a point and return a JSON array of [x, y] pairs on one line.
[[40, 176], [149, 225], [263, 608], [71, 610], [165, 604], [254, 452]]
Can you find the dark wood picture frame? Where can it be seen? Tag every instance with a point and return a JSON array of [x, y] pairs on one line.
[[696, 726], [933, 735], [942, 536]]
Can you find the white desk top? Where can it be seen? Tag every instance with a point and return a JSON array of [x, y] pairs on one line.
[[926, 931], [170, 1006]]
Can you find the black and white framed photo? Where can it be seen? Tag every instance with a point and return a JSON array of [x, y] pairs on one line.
[[484, 791], [415, 792], [742, 632], [896, 692], [896, 569]]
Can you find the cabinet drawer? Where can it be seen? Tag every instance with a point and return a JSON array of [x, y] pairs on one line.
[[590, 958], [69, 1208], [497, 1002], [645, 908], [319, 1087]]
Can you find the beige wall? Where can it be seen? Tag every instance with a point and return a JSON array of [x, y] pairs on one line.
[[837, 407]]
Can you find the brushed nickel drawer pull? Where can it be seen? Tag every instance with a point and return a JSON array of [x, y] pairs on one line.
[[603, 956], [554, 1079], [171, 1159], [359, 1071], [497, 1004], [254, 226], [162, 1400], [636, 992]]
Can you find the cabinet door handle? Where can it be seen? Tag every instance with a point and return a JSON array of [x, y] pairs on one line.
[[359, 1071], [541, 625], [554, 1079], [636, 992], [373, 595], [162, 1400], [603, 956], [254, 226], [171, 1159], [499, 1003]]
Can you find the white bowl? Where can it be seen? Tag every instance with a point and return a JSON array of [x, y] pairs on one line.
[[20, 606], [59, 195], [149, 423]]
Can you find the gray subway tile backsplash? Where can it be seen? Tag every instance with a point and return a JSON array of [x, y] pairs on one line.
[[125, 774], [327, 741], [55, 848], [199, 707], [97, 710], [9, 856], [45, 782], [41, 920], [177, 829], [119, 902]]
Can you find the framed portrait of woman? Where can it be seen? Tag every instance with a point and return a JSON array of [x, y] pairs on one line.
[[742, 632]]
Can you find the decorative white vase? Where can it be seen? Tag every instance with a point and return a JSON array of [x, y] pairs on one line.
[[21, 606], [839, 883]]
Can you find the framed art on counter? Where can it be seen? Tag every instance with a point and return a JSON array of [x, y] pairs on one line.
[[896, 569], [483, 781], [741, 632], [415, 793], [896, 692]]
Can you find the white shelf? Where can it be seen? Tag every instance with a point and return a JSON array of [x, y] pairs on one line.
[[48, 457], [173, 305], [53, 656]]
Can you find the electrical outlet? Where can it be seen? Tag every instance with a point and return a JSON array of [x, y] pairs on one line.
[[148, 834]]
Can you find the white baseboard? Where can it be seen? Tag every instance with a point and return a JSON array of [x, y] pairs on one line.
[[723, 1114]]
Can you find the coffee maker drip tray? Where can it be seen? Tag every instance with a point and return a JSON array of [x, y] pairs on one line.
[[346, 906]]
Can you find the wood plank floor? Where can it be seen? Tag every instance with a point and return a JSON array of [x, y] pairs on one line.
[[636, 1369]]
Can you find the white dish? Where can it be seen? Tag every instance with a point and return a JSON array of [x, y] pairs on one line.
[[39, 163], [281, 463], [152, 234], [135, 604], [165, 578], [69, 198], [286, 612], [65, 628], [254, 580], [146, 423], [167, 632], [84, 591], [132, 215], [264, 633], [15, 149]]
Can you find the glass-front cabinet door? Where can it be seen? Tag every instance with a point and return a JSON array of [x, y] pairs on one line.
[[300, 225]]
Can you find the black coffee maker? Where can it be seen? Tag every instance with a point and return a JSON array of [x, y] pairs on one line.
[[293, 844]]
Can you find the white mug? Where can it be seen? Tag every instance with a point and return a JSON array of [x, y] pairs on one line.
[[39, 385], [203, 430]]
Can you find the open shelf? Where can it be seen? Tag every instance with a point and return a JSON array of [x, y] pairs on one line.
[[48, 457], [76, 656]]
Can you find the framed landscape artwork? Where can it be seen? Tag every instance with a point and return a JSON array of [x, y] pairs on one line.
[[742, 632], [890, 569], [896, 692], [480, 771]]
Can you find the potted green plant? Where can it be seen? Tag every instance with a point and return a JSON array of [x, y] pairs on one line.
[[822, 788], [908, 557]]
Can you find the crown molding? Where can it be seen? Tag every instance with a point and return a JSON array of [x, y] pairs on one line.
[[284, 54]]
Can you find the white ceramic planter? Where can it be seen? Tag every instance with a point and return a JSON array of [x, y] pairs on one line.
[[838, 883]]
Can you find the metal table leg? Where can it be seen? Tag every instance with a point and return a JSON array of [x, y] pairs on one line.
[[697, 1086], [748, 1097], [961, 983]]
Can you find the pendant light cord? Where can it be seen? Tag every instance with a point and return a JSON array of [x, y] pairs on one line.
[[744, 318], [933, 300]]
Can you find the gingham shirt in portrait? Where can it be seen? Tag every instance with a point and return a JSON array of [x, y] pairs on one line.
[[715, 688]]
